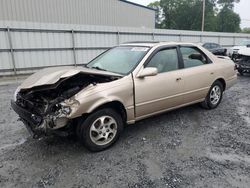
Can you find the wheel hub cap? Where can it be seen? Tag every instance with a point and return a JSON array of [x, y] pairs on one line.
[[103, 130], [215, 95]]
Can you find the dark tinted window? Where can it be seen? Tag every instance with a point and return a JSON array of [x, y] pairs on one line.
[[164, 60], [192, 57], [207, 45], [214, 45]]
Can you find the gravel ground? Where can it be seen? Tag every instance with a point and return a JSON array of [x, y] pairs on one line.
[[189, 147]]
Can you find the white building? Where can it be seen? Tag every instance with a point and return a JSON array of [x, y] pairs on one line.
[[83, 12]]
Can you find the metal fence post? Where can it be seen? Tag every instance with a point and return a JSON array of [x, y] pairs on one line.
[[201, 38], [153, 36], [73, 46], [180, 38], [234, 40], [118, 37], [11, 51], [218, 39]]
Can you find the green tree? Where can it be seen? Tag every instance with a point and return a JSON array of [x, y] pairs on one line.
[[169, 12], [210, 16], [158, 18], [228, 20], [246, 30], [227, 3], [187, 14]]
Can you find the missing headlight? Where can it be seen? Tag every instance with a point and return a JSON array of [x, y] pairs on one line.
[[66, 110]]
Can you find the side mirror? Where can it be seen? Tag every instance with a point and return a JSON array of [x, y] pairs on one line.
[[196, 56], [148, 71]]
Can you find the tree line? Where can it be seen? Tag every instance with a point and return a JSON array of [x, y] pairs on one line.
[[187, 15]]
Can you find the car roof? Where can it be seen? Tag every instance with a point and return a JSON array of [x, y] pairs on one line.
[[156, 43]]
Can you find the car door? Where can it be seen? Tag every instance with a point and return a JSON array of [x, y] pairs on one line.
[[154, 94], [198, 74]]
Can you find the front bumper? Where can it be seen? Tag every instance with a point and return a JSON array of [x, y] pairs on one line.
[[38, 125], [245, 68], [32, 121]]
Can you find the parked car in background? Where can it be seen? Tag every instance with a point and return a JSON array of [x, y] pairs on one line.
[[243, 61], [233, 52], [215, 48], [125, 84]]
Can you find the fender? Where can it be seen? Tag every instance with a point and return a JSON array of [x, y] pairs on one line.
[[103, 101]]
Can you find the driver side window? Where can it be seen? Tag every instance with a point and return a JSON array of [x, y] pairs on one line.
[[165, 60]]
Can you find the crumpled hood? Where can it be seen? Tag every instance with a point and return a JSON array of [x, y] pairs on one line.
[[50, 76]]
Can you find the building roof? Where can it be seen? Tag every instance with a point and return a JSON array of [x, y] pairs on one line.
[[139, 5]]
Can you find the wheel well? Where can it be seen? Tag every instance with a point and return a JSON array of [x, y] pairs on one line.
[[117, 106], [221, 80]]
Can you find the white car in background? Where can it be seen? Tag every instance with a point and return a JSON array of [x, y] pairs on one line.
[[233, 52]]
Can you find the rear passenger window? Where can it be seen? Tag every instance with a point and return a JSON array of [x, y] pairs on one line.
[[165, 60], [192, 57]]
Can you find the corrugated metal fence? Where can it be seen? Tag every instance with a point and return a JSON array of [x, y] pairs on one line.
[[26, 48]]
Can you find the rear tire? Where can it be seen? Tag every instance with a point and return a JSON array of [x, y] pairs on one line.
[[100, 130], [214, 96]]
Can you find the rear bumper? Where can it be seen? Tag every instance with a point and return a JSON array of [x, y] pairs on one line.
[[231, 82]]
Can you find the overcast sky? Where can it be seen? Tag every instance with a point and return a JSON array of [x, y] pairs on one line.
[[242, 8]]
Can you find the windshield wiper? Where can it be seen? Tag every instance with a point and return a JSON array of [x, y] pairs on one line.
[[98, 68]]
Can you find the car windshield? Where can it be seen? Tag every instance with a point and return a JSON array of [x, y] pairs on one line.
[[122, 59], [245, 43]]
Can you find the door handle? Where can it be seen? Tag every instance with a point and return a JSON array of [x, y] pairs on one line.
[[178, 79], [211, 73]]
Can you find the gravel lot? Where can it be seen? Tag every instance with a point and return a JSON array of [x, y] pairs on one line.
[[189, 147]]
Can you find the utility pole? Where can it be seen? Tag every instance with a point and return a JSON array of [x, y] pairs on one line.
[[203, 15]]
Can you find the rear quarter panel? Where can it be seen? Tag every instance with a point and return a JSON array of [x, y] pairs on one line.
[[226, 70], [223, 67]]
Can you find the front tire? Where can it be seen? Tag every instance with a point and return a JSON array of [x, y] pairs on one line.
[[214, 96], [100, 129]]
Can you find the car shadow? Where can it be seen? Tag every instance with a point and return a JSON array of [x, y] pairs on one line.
[[131, 133]]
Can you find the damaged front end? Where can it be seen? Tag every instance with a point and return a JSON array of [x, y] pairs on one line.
[[243, 62], [44, 109]]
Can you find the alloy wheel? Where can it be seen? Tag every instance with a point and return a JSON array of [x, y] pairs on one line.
[[103, 130], [215, 95]]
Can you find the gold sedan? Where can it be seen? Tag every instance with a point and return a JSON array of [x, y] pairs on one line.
[[125, 84]]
